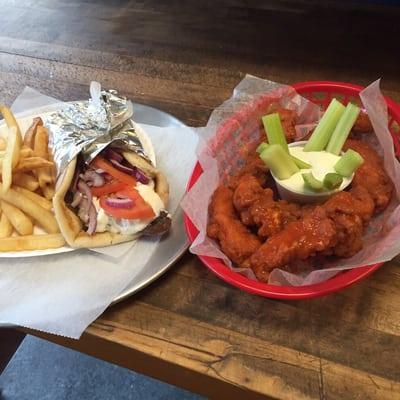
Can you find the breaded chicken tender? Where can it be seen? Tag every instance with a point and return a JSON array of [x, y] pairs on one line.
[[236, 241]]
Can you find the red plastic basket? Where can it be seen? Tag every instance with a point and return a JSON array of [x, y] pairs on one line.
[[320, 92]]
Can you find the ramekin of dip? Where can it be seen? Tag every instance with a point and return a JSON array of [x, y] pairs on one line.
[[293, 189]]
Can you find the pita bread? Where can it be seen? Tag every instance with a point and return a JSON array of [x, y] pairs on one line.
[[71, 226]]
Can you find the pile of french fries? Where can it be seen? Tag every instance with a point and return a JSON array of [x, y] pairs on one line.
[[27, 186]]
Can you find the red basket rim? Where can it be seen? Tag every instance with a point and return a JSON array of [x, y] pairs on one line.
[[334, 284]]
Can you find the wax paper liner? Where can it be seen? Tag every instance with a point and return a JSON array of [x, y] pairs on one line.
[[229, 136]]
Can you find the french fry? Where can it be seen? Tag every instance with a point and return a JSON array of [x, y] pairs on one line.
[[43, 217], [25, 181], [48, 191], [29, 137], [41, 149], [44, 176], [53, 171], [3, 144], [13, 148], [11, 158], [41, 143], [21, 223], [37, 198], [32, 242], [25, 166], [31, 163], [26, 152], [6, 228], [11, 122]]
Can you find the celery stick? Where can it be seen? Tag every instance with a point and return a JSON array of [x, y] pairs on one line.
[[348, 163], [311, 182], [274, 130], [322, 133], [342, 129], [261, 147], [278, 161], [332, 180], [300, 163]]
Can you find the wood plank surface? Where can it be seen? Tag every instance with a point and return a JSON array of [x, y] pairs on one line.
[[189, 328]]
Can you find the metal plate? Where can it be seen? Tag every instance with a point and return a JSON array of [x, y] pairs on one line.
[[168, 251], [176, 243]]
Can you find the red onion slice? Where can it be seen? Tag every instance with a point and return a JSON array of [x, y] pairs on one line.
[[113, 155], [122, 168], [119, 203], [141, 177], [133, 171]]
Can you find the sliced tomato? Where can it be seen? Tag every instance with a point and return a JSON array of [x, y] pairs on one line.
[[107, 188], [130, 193], [136, 212], [103, 164], [140, 210]]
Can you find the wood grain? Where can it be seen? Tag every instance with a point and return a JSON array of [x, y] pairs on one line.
[[189, 328]]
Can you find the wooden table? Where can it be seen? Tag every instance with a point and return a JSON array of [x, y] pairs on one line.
[[189, 328]]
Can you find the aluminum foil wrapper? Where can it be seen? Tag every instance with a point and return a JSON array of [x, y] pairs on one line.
[[87, 127]]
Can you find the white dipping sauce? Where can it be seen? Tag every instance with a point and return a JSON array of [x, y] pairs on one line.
[[321, 163]]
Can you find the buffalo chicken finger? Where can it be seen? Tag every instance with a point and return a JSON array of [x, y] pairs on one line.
[[236, 241]]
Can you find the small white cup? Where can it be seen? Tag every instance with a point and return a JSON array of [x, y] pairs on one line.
[[295, 196]]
